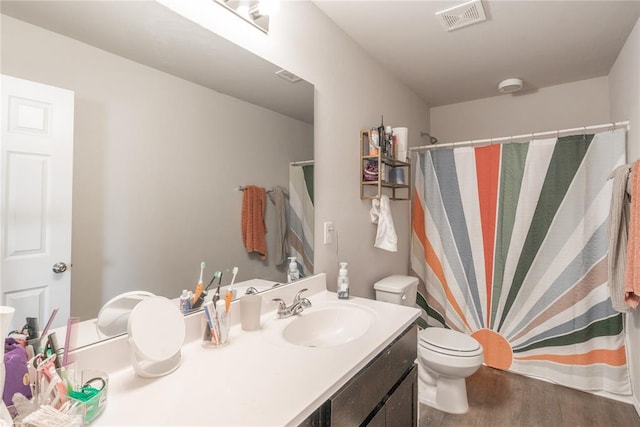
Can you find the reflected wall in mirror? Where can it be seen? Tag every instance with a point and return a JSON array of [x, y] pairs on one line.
[[170, 120]]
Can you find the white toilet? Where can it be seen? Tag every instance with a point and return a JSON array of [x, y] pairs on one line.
[[445, 357]]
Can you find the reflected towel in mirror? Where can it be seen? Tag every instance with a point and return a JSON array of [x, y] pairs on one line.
[[278, 198], [252, 222]]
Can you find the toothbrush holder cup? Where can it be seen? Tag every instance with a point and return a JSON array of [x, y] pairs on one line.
[[250, 310], [218, 334]]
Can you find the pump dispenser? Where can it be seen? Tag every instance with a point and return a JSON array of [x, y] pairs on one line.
[[292, 274], [343, 282]]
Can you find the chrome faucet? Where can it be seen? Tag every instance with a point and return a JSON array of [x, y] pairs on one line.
[[297, 307]]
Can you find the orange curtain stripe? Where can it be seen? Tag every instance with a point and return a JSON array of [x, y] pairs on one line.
[[487, 171], [430, 255], [609, 357]]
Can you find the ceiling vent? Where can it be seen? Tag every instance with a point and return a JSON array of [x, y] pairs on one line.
[[288, 76], [462, 15]]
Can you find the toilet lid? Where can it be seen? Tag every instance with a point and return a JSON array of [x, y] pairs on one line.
[[447, 341]]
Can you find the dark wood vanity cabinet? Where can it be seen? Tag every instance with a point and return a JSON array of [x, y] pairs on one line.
[[383, 393]]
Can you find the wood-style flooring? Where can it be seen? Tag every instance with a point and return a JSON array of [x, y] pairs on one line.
[[498, 398]]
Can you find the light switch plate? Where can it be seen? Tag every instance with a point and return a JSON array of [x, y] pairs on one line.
[[328, 232]]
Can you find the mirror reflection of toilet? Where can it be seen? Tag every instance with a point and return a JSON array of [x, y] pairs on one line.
[[445, 357]]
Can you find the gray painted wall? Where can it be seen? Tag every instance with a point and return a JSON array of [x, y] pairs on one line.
[[352, 91], [570, 105]]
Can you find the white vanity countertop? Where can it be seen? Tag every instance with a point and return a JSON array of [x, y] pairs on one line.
[[255, 380]]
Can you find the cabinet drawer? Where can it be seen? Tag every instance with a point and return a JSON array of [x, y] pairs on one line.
[[359, 397], [401, 409]]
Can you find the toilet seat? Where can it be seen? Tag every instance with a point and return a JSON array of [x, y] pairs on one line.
[[449, 342]]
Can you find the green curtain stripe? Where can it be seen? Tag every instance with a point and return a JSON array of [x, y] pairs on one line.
[[422, 303], [308, 179], [514, 157], [567, 156], [606, 327]]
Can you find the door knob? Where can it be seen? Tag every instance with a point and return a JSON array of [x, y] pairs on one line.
[[59, 267]]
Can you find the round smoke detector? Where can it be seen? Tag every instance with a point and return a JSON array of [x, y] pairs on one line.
[[510, 85]]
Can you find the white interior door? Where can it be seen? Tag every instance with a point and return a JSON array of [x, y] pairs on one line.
[[36, 171]]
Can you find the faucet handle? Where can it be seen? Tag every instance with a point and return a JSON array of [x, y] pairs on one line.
[[282, 306], [298, 296]]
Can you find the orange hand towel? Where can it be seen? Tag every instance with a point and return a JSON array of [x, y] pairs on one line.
[[632, 276], [253, 226]]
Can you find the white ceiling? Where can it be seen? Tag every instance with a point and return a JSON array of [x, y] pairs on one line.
[[545, 43]]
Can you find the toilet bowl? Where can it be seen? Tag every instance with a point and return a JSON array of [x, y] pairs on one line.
[[445, 357]]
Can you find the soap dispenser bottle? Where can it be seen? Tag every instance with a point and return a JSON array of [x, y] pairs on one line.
[[343, 282], [292, 273]]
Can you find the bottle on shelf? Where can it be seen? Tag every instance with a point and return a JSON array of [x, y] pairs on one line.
[[374, 142], [389, 138], [383, 141]]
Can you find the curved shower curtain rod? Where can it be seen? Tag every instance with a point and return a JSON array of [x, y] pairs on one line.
[[302, 163], [583, 129]]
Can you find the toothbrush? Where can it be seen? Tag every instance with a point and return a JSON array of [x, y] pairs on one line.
[[229, 295], [233, 279], [216, 275], [216, 296], [199, 286], [208, 308]]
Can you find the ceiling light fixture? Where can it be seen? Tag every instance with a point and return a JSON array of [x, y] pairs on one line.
[[255, 12], [268, 7], [510, 85]]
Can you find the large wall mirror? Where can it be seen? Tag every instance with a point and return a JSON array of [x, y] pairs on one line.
[[170, 120]]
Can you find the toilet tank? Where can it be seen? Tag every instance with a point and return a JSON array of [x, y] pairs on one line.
[[397, 289]]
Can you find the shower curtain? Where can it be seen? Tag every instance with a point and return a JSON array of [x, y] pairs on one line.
[[511, 243], [300, 236]]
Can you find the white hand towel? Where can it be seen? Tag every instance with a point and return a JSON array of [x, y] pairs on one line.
[[380, 213]]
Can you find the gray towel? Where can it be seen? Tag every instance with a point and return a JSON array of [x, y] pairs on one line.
[[278, 197], [618, 234]]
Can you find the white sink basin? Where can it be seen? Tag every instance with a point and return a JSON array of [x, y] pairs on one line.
[[328, 325]]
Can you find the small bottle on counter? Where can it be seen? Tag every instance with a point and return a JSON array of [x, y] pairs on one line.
[[292, 273], [185, 301], [343, 282]]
